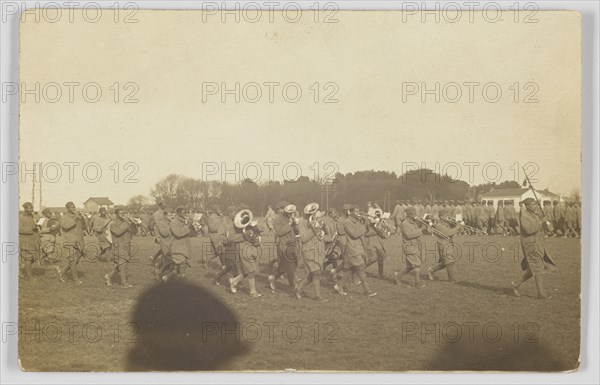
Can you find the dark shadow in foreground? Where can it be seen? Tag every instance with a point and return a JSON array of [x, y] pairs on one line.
[[183, 327], [511, 356]]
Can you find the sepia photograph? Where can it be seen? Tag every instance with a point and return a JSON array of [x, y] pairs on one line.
[[298, 188]]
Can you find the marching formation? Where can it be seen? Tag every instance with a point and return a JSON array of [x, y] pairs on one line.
[[339, 244]]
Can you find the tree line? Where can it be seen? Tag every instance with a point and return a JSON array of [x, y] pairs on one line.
[[360, 187]]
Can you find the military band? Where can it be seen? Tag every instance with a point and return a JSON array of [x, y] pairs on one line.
[[345, 245]]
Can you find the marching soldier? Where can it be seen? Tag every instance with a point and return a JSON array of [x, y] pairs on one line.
[[286, 233], [445, 247], [100, 229], [244, 243], [331, 239], [181, 246], [411, 247], [398, 215], [375, 252], [159, 214], [228, 237], [354, 261], [122, 230], [49, 229], [313, 251], [342, 242], [162, 229], [29, 240], [536, 259], [72, 224], [215, 221]]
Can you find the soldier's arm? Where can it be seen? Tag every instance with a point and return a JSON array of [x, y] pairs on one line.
[[410, 232], [67, 223], [178, 230], [530, 225], [353, 230]]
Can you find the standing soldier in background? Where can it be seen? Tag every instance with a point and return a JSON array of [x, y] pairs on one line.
[[411, 247], [313, 251], [29, 240], [269, 218], [101, 231], [420, 209], [491, 215], [445, 247], [536, 260], [558, 218], [500, 220], [49, 229], [122, 230], [286, 232], [549, 214], [510, 215], [480, 216], [570, 218], [354, 262], [72, 224]]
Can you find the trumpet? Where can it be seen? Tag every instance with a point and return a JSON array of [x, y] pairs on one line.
[[428, 222], [317, 226]]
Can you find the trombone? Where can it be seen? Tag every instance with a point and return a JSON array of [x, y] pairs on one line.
[[454, 222], [430, 227]]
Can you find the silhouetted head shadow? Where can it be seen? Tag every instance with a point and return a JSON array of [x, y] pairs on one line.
[[501, 356], [181, 327]]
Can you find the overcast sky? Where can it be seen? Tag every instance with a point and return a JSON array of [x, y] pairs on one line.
[[373, 63]]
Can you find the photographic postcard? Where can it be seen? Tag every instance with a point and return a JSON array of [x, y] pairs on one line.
[[312, 189]]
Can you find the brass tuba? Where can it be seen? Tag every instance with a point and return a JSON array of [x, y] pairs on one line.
[[244, 220], [317, 226], [381, 226]]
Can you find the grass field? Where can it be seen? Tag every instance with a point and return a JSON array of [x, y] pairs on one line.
[[477, 324]]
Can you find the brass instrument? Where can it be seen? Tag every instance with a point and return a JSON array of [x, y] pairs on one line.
[[331, 244], [381, 227], [317, 226], [244, 220], [454, 222], [429, 223]]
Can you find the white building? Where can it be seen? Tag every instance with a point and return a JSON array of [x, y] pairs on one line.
[[517, 195]]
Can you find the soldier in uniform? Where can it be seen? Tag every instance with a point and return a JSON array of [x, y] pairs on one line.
[[375, 252], [342, 241], [480, 216], [354, 261], [510, 215], [558, 218], [331, 239], [122, 230], [215, 221], [313, 251], [536, 259], [445, 247], [499, 219], [411, 247], [228, 237], [162, 229], [549, 214], [72, 224], [269, 218], [491, 216], [286, 234], [570, 218], [158, 215], [398, 215], [29, 240], [101, 231], [246, 250], [182, 230], [49, 229]]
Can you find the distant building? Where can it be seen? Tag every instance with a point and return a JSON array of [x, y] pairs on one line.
[[94, 203], [517, 195]]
